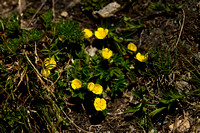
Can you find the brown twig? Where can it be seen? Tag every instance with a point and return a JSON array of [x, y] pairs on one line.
[[79, 128], [21, 78], [39, 76], [57, 79], [37, 12], [53, 8], [179, 32], [20, 7], [2, 25], [37, 57], [2, 37]]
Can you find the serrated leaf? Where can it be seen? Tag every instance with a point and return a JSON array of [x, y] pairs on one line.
[[47, 17]]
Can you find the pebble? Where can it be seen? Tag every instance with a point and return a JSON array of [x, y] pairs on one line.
[[64, 14], [108, 11]]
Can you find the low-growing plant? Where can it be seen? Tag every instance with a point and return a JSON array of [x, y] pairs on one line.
[[45, 67], [165, 7], [141, 110]]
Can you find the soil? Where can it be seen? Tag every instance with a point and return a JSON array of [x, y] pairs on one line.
[[184, 23]]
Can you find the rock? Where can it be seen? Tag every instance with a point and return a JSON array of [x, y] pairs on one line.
[[64, 14], [107, 11], [91, 50], [180, 126]]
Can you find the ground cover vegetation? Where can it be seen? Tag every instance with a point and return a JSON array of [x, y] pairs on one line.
[[106, 75]]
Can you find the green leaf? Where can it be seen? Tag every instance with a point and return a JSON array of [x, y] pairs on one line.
[[136, 94], [13, 44], [137, 108], [132, 110], [81, 95], [156, 111], [151, 104], [12, 25], [47, 17], [34, 35]]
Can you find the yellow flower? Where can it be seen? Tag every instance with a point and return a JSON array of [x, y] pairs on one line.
[[45, 72], [101, 33], [132, 47], [100, 104], [95, 88], [106, 53], [76, 84], [87, 33], [90, 86], [141, 58], [50, 63], [98, 89]]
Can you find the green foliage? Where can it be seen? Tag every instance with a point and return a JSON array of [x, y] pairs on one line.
[[90, 5], [131, 26], [160, 64], [32, 102], [141, 110], [99, 70], [193, 68], [47, 18], [32, 35], [14, 44], [15, 41], [11, 25], [167, 7], [29, 12], [10, 28], [68, 31]]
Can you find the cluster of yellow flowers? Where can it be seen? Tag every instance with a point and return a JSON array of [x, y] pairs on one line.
[[101, 33], [95, 88], [99, 103], [139, 56], [49, 64]]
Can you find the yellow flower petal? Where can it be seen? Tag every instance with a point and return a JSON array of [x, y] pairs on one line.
[[100, 104], [141, 58], [45, 72], [98, 89], [101, 33], [87, 33], [132, 47], [76, 84], [106, 53], [50, 63], [60, 38], [90, 86]]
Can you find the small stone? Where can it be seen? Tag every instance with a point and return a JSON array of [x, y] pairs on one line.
[[91, 51], [107, 11], [181, 126], [64, 14]]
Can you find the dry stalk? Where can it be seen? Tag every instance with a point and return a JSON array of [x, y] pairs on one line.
[[79, 128], [43, 3], [39, 76], [180, 31]]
